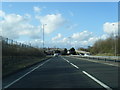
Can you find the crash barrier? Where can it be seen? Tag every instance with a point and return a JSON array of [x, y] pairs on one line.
[[116, 59], [103, 58]]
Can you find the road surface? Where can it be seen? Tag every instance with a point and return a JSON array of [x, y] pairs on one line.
[[65, 72]]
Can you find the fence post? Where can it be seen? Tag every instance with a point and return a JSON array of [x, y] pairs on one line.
[[105, 59]]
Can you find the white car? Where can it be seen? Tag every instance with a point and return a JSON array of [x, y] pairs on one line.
[[56, 54], [86, 54]]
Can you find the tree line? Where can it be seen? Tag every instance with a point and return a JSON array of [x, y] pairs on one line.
[[108, 47]]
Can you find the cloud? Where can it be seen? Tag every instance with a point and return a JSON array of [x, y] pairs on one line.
[[82, 35], [80, 39], [36, 42], [33, 42], [57, 37], [13, 26], [53, 21], [104, 36], [36, 9], [110, 28], [2, 14]]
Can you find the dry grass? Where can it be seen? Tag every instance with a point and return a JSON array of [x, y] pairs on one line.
[[10, 68]]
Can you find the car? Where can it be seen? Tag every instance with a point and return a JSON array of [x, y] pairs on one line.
[[86, 54], [56, 54]]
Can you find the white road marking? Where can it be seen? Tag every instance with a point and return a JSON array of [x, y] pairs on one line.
[[93, 78], [96, 80], [25, 74], [68, 61], [74, 65], [71, 63], [97, 62]]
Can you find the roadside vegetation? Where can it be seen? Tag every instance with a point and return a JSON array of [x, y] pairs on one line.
[[107, 47], [16, 56]]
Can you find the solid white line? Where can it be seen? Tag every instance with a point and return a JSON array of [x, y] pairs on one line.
[[96, 80], [25, 74]]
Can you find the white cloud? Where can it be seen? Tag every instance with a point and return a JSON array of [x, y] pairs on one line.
[[104, 36], [110, 28], [53, 21], [82, 35], [37, 9], [84, 43], [80, 39], [57, 37], [13, 26], [65, 40], [34, 42], [2, 14]]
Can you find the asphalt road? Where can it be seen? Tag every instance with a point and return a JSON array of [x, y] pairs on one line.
[[65, 72]]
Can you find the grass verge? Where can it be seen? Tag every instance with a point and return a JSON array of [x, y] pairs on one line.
[[104, 54], [11, 68]]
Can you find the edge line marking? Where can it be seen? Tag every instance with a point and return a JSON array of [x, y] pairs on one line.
[[25, 74], [99, 82]]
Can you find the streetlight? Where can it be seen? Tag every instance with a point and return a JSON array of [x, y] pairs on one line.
[[115, 39], [43, 34]]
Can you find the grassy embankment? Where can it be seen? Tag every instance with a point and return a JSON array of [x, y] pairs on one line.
[[104, 54], [17, 56], [10, 68]]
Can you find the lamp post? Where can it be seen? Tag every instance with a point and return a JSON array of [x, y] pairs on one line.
[[115, 39], [43, 34]]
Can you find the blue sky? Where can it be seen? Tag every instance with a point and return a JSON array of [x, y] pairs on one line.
[[83, 22]]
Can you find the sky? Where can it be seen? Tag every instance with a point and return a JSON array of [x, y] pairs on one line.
[[66, 24]]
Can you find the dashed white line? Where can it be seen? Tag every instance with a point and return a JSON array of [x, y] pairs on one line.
[[25, 74], [98, 62], [68, 61], [93, 78], [74, 65], [96, 80], [71, 63]]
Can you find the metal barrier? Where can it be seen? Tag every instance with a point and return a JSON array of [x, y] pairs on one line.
[[101, 58]]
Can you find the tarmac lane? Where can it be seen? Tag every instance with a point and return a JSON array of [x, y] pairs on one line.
[[62, 72]]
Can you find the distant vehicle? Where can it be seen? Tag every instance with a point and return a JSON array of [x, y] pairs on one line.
[[86, 54], [56, 54]]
